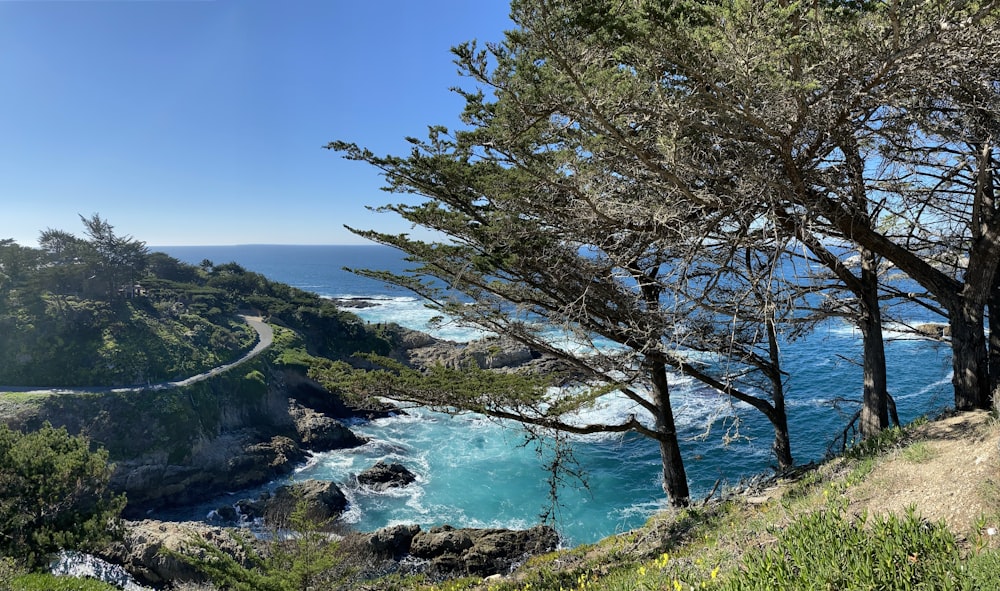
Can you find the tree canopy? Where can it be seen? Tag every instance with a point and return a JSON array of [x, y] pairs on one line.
[[635, 179]]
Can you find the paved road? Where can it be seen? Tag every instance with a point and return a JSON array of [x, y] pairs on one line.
[[265, 337]]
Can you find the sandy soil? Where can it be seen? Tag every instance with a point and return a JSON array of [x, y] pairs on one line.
[[949, 469]]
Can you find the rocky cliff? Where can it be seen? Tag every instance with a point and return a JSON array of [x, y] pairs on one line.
[[246, 427], [180, 446]]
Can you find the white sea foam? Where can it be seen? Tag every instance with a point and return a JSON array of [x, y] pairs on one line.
[[355, 510], [929, 388]]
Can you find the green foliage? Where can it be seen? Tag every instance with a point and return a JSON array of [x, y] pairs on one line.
[[506, 395], [53, 494], [885, 441], [299, 558], [68, 341], [918, 452], [47, 582], [828, 550], [60, 328]]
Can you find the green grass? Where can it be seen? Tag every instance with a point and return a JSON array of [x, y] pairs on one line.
[[918, 453], [47, 582]]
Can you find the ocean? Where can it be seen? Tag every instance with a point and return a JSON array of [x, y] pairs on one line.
[[473, 471]]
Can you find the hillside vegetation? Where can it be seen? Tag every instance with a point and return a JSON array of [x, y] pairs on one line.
[[79, 312]]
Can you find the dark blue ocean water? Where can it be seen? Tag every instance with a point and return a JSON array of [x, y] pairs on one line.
[[476, 472]]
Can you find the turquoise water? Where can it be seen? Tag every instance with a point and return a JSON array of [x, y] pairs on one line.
[[475, 472]]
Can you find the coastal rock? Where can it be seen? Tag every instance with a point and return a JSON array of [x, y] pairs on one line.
[[148, 550], [481, 552], [355, 302], [934, 330], [412, 339], [382, 476], [264, 461], [447, 551], [229, 461], [227, 514], [495, 353], [392, 542], [318, 432], [252, 509], [488, 353], [324, 502]]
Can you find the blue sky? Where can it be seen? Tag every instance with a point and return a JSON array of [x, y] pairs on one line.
[[202, 122]]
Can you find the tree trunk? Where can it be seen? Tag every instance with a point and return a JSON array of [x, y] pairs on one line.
[[969, 359], [993, 309], [674, 477], [782, 446], [875, 399]]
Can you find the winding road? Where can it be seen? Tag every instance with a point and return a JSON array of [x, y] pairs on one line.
[[265, 338]]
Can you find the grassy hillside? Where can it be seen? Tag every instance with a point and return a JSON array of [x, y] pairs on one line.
[[181, 321], [49, 340]]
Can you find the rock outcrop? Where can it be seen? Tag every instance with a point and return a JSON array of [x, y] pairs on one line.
[[319, 432], [420, 350], [323, 501], [149, 550], [447, 551], [383, 476], [230, 461], [487, 353], [935, 330]]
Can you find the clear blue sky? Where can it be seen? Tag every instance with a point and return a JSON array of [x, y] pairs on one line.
[[202, 122]]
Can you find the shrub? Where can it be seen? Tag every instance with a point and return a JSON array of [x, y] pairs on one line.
[[53, 494], [299, 558]]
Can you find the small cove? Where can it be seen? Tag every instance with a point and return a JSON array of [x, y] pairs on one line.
[[476, 472]]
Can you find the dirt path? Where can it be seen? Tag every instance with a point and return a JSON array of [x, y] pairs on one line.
[[265, 338], [950, 470]]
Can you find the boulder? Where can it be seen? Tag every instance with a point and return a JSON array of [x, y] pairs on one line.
[[497, 551], [495, 353], [227, 514], [318, 432], [382, 476], [324, 502], [447, 551], [264, 461], [934, 330], [252, 509], [392, 542]]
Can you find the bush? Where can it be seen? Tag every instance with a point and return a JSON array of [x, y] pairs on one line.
[[53, 495]]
